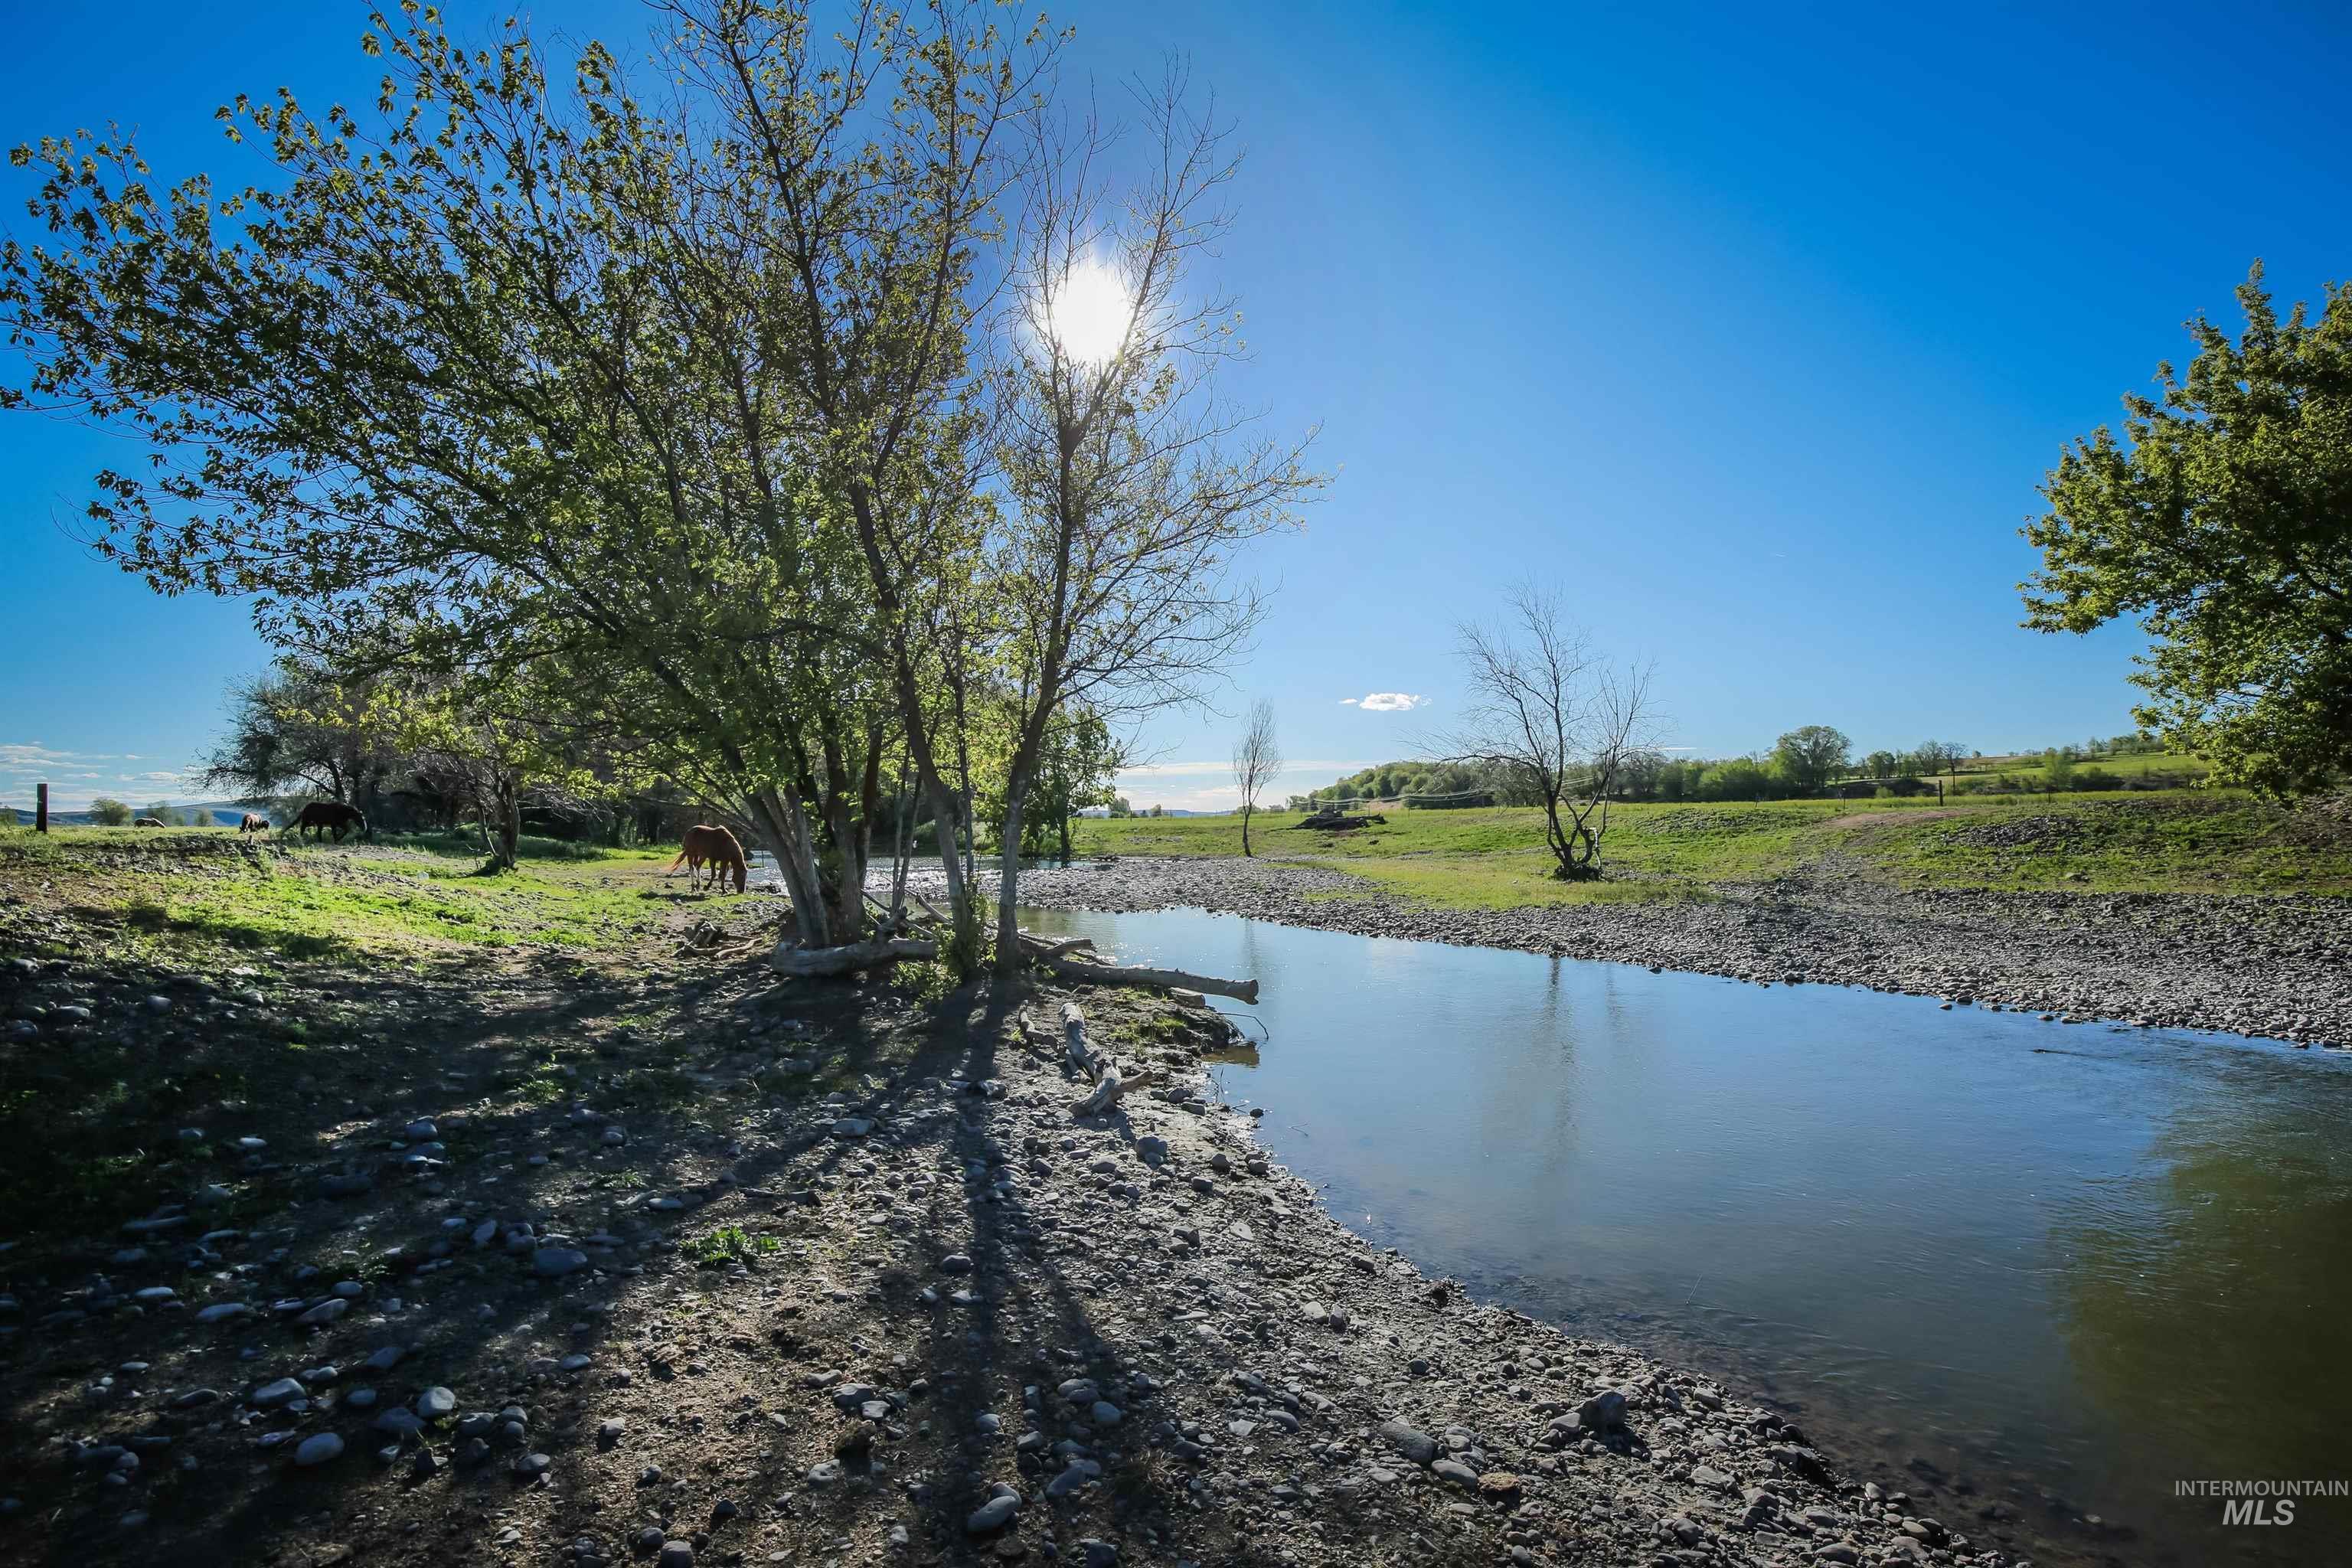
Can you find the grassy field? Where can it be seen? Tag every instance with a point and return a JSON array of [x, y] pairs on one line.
[[398, 899], [2138, 841], [2026, 771]]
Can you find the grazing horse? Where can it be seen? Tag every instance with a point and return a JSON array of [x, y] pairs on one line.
[[254, 823], [328, 816], [148, 822], [717, 845]]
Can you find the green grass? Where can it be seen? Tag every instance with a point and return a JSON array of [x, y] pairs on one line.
[[2171, 842], [730, 1243], [2178, 840], [386, 906], [465, 845], [2025, 769]]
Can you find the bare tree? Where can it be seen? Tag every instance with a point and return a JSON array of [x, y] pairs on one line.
[[1127, 489], [1942, 756], [1257, 758], [1554, 714]]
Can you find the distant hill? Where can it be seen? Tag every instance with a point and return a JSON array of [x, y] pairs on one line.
[[222, 812]]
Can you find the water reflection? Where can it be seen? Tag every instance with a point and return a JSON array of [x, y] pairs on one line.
[[2197, 1300], [2045, 1280]]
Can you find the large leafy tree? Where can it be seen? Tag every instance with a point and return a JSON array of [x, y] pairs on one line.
[[2222, 519], [553, 385], [1813, 754]]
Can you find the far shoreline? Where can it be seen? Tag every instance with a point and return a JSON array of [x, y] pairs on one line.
[[2260, 966]]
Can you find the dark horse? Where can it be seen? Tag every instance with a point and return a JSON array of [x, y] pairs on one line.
[[329, 815]]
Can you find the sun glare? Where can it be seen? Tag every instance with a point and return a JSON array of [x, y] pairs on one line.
[[1088, 315]]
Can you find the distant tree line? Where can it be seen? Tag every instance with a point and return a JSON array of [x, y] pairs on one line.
[[1806, 763]]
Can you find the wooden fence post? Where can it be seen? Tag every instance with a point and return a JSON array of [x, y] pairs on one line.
[[41, 810]]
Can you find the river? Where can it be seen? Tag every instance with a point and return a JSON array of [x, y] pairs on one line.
[[2042, 1269]]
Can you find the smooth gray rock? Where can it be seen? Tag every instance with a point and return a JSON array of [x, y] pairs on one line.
[[270, 1396], [318, 1448], [993, 1514], [1411, 1441]]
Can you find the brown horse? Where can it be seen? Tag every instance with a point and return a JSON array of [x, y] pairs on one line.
[[716, 844], [254, 823], [328, 816]]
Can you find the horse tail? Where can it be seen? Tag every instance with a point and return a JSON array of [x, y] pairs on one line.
[[365, 831], [677, 863]]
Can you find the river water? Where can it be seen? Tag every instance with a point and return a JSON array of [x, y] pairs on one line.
[[2042, 1269]]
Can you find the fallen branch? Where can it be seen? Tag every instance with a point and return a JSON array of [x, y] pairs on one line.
[[1042, 948], [1110, 1082], [1036, 1039], [1074, 1038], [807, 963], [1108, 1088], [1139, 974]]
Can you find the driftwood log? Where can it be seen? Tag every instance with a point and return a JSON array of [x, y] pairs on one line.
[[1140, 975], [808, 962], [1109, 1081], [1060, 958]]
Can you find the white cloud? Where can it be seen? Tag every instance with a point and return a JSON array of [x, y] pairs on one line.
[[1392, 702], [76, 778], [1349, 701]]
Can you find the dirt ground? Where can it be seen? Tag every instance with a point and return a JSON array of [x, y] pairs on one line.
[[691, 1264]]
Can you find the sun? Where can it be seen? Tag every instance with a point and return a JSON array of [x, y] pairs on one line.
[[1088, 315]]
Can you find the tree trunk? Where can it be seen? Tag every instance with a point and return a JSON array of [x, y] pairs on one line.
[[775, 825], [1246, 816], [510, 822], [1008, 885], [963, 950]]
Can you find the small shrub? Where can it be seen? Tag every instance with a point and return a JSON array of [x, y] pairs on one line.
[[925, 982], [730, 1243]]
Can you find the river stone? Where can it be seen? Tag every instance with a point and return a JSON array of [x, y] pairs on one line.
[[318, 1448], [676, 1555], [434, 1403], [1411, 1442], [326, 1311], [399, 1422], [1454, 1471], [1072, 1479], [551, 1262], [1604, 1412], [270, 1396], [220, 1311], [992, 1515]]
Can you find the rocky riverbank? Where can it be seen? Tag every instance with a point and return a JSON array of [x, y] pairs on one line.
[[2279, 967], [674, 1265]]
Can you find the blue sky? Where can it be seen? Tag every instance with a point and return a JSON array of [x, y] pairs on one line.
[[1752, 327]]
